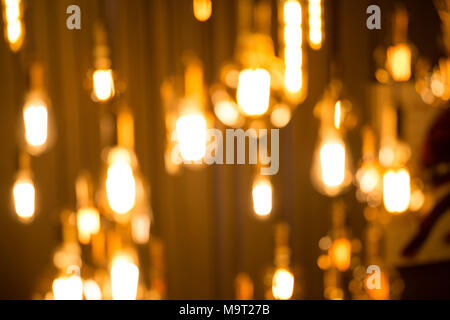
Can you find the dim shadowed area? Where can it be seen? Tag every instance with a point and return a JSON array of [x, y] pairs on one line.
[[204, 216]]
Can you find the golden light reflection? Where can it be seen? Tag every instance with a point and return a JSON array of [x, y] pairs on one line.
[[88, 223], [124, 277], [202, 9], [14, 28], [399, 62], [192, 135], [103, 83], [68, 288], [340, 254], [315, 11], [24, 196]]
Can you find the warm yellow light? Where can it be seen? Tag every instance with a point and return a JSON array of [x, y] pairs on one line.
[[227, 112], [120, 183], [282, 284], [337, 115], [369, 180], [103, 84], [202, 9], [396, 190], [14, 29], [293, 41], [332, 163], [399, 62], [253, 91], [68, 288], [35, 117], [281, 115], [140, 228], [191, 135], [88, 223], [124, 278], [340, 254], [315, 24], [262, 197], [24, 198], [91, 290]]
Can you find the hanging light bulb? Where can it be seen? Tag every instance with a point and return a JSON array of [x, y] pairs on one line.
[[293, 48], [88, 223], [399, 62], [315, 10], [13, 22], [191, 135], [24, 197], [253, 92], [262, 197], [140, 228], [68, 287], [91, 290], [202, 9], [340, 254], [282, 284], [120, 181], [103, 76], [396, 190], [124, 277], [103, 83]]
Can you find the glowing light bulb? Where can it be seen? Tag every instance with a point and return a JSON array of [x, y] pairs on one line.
[[293, 41], [24, 195], [253, 91], [340, 254], [35, 117], [91, 290], [14, 29], [88, 223], [396, 190], [332, 163], [315, 24], [262, 197], [399, 62], [120, 182], [202, 9], [124, 278], [104, 88], [337, 115], [369, 179], [68, 288], [282, 284], [191, 135]]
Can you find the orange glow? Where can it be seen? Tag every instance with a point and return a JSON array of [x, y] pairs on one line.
[[202, 9], [340, 254]]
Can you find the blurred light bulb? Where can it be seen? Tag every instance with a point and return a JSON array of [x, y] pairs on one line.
[[35, 117], [24, 195], [14, 29], [332, 163], [315, 24], [282, 284], [140, 228], [124, 278], [396, 190], [103, 84], [88, 223], [91, 290], [340, 254], [369, 180], [262, 197], [202, 9], [293, 41], [191, 135], [68, 288], [337, 115], [253, 91], [227, 112], [399, 62], [281, 115], [120, 183]]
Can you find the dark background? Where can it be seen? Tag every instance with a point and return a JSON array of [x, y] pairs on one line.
[[204, 216]]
